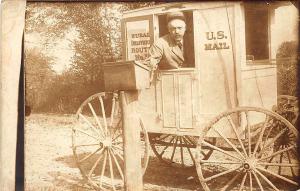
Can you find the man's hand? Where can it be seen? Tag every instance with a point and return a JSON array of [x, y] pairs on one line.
[[147, 62]]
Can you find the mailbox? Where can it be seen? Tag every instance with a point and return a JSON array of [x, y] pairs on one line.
[[126, 75]]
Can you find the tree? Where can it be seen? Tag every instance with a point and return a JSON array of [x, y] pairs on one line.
[[38, 78], [287, 65], [98, 40]]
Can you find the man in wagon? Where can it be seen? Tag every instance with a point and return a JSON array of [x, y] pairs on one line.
[[170, 51]]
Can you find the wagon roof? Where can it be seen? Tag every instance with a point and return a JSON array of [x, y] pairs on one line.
[[181, 6]]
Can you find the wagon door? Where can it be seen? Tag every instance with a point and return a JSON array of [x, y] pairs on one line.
[[177, 93]]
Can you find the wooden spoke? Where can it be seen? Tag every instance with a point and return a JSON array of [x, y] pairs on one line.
[[187, 140], [103, 113], [189, 150], [86, 145], [83, 132], [249, 134], [278, 176], [257, 141], [112, 111], [119, 148], [219, 162], [232, 145], [267, 180], [174, 148], [103, 167], [190, 140], [250, 180], [116, 137], [230, 182], [118, 154], [243, 182], [165, 148], [97, 120], [236, 134], [118, 143], [111, 171], [220, 150], [279, 164], [277, 153], [271, 142], [96, 163], [257, 180], [260, 135], [163, 137], [87, 121], [290, 161], [171, 149], [280, 161], [116, 128], [90, 155], [99, 125], [117, 164], [270, 160], [221, 174], [267, 136], [181, 152]]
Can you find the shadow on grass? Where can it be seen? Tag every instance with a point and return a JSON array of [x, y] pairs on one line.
[[159, 174]]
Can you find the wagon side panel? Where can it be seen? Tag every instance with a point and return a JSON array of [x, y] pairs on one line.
[[216, 47]]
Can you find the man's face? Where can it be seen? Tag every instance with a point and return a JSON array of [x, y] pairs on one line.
[[176, 29]]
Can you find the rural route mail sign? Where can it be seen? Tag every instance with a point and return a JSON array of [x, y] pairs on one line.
[[138, 40]]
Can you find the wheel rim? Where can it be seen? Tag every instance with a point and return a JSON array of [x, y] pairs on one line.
[[249, 159], [97, 142], [176, 150]]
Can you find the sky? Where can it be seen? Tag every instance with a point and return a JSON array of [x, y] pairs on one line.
[[61, 50]]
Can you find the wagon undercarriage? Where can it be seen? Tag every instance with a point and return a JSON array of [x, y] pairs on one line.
[[260, 154]]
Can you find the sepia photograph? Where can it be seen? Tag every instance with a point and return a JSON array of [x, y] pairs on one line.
[[161, 96]]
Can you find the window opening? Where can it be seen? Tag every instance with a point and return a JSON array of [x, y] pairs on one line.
[[188, 44], [257, 31]]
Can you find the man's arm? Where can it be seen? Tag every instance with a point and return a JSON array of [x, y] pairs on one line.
[[156, 54]]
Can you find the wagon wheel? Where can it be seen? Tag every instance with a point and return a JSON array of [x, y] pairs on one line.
[[176, 150], [287, 106], [249, 159], [97, 142]]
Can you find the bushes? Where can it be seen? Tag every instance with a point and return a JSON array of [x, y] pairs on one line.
[[287, 65]]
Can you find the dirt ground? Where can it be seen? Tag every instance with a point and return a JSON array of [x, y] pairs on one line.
[[49, 163]]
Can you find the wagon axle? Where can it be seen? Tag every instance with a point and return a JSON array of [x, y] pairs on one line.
[[250, 163], [107, 142]]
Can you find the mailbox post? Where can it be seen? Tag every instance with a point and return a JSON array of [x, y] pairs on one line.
[[130, 77], [132, 153]]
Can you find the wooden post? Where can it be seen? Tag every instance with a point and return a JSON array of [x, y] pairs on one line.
[[12, 19], [132, 153]]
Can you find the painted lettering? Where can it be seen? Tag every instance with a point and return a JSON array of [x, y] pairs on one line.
[[140, 35], [216, 46], [224, 46], [220, 35], [209, 35], [140, 42]]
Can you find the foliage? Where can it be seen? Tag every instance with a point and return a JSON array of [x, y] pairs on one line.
[[38, 78], [287, 68], [98, 40]]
